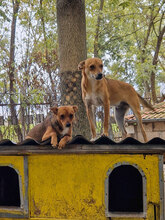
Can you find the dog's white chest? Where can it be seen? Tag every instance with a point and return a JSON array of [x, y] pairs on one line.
[[93, 99], [65, 131]]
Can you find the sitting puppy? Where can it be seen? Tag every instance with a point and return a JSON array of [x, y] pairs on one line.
[[58, 126]]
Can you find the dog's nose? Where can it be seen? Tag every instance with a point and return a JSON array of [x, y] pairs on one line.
[[68, 124], [99, 76]]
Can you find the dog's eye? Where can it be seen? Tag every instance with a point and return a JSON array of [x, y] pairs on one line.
[[101, 66], [62, 117], [71, 116], [92, 67]]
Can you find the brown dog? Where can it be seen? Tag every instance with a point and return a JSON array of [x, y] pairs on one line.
[[57, 126], [98, 90]]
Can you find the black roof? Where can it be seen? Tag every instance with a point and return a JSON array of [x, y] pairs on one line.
[[80, 144]]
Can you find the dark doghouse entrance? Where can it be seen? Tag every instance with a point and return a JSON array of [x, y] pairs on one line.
[[9, 187], [125, 187]]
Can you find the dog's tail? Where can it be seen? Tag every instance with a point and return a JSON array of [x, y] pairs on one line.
[[145, 103]]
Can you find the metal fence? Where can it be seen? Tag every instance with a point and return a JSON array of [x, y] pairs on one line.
[[30, 115], [27, 117]]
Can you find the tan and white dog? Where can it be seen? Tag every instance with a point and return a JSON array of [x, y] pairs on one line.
[[100, 91], [57, 126]]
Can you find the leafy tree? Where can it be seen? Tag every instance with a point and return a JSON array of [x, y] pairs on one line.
[[11, 70], [127, 40], [35, 60], [127, 35]]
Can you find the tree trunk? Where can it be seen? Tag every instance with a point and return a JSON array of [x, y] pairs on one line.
[[71, 33], [147, 91], [144, 56], [154, 62], [72, 49], [12, 70], [96, 40], [153, 90]]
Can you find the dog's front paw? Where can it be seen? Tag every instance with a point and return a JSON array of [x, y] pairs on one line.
[[105, 134], [61, 144], [54, 144], [93, 139]]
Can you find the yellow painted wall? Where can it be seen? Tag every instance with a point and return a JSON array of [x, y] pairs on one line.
[[17, 163], [72, 186]]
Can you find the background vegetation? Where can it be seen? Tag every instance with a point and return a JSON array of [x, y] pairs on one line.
[[127, 35]]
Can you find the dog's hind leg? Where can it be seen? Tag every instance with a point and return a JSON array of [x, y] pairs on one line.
[[120, 111], [135, 106], [106, 117], [47, 134], [50, 133], [139, 120]]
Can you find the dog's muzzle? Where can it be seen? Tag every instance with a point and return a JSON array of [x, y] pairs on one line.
[[68, 124], [99, 76]]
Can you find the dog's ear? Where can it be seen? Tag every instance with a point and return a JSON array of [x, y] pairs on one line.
[[81, 65], [54, 110], [75, 108]]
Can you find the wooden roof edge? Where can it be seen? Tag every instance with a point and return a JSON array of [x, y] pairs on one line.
[[82, 149], [146, 120]]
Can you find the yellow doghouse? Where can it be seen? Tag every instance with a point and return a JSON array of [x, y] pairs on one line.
[[83, 181]]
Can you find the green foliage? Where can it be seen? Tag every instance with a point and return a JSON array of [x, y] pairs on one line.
[[125, 42], [8, 132], [121, 42], [3, 12], [99, 129]]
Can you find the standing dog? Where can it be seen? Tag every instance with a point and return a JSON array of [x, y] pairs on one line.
[[98, 90], [58, 126]]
